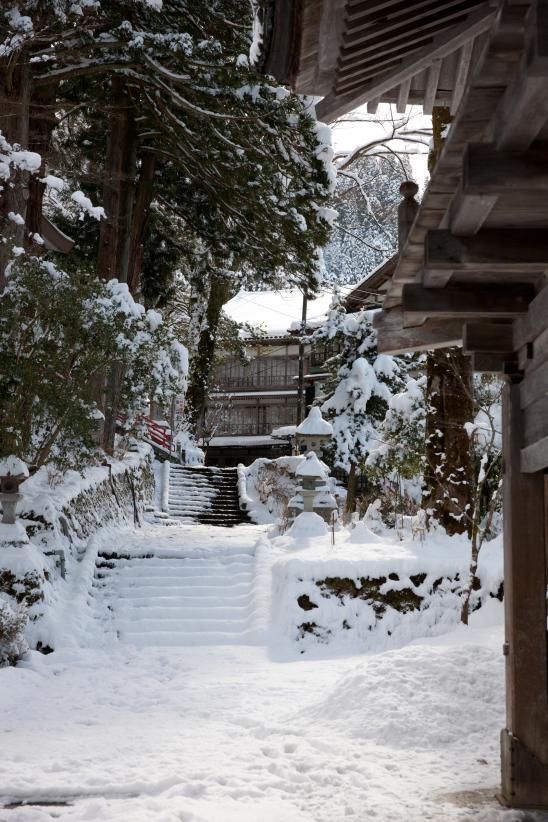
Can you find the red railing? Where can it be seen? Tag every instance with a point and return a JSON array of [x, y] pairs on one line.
[[155, 433]]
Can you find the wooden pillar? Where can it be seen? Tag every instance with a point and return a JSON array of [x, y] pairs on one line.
[[524, 741]]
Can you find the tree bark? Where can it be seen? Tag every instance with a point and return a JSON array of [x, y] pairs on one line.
[[115, 233], [350, 493], [449, 468], [141, 211], [118, 186], [42, 121], [15, 95], [202, 362]]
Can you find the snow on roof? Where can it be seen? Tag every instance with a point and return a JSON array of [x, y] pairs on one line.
[[275, 312], [315, 425]]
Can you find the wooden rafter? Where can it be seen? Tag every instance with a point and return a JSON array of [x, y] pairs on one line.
[[334, 104]]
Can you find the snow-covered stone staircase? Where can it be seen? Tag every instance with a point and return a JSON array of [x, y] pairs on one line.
[[176, 601], [206, 495]]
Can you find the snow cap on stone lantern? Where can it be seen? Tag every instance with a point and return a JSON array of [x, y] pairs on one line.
[[311, 471], [314, 431]]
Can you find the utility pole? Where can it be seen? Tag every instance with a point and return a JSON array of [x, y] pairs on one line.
[[300, 384]]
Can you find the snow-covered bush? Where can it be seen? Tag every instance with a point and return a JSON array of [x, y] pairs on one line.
[[13, 621], [59, 333]]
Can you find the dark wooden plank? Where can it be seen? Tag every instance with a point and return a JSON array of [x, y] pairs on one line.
[[454, 301], [393, 338], [524, 604], [335, 105], [489, 171], [493, 338], [489, 250]]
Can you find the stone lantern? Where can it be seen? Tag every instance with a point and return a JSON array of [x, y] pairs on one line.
[[294, 507], [313, 432], [324, 504], [311, 475], [13, 472]]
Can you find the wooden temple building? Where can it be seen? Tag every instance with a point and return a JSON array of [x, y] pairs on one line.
[[472, 266]]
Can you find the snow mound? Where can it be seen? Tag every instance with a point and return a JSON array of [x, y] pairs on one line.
[[362, 535], [307, 526]]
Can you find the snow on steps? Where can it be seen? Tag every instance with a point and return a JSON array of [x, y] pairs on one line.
[[176, 601], [203, 494]]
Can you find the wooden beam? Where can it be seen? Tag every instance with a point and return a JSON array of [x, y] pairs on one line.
[[468, 212], [372, 106], [490, 338], [431, 87], [379, 36], [463, 68], [525, 738], [465, 301], [535, 421], [360, 16], [535, 457], [488, 363], [492, 250], [523, 110], [403, 96], [394, 338], [335, 105], [528, 328], [487, 171], [534, 387]]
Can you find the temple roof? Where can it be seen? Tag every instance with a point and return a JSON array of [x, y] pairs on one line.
[[353, 52]]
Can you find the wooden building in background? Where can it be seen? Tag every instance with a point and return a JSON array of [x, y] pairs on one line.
[[474, 263]]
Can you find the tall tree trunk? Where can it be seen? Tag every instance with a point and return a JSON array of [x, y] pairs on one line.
[[351, 493], [118, 186], [201, 366], [15, 94], [448, 472], [141, 211], [42, 121], [115, 232]]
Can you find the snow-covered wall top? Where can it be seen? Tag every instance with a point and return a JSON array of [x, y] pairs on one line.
[[275, 312]]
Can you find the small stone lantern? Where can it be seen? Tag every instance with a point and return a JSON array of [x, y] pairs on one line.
[[312, 476], [313, 432], [13, 472]]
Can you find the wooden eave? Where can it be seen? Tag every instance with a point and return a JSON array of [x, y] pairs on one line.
[[354, 52], [477, 250], [370, 290]]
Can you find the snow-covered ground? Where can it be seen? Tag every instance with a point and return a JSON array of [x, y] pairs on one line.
[[240, 734]]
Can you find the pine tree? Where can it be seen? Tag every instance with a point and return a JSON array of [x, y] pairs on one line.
[[359, 391]]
